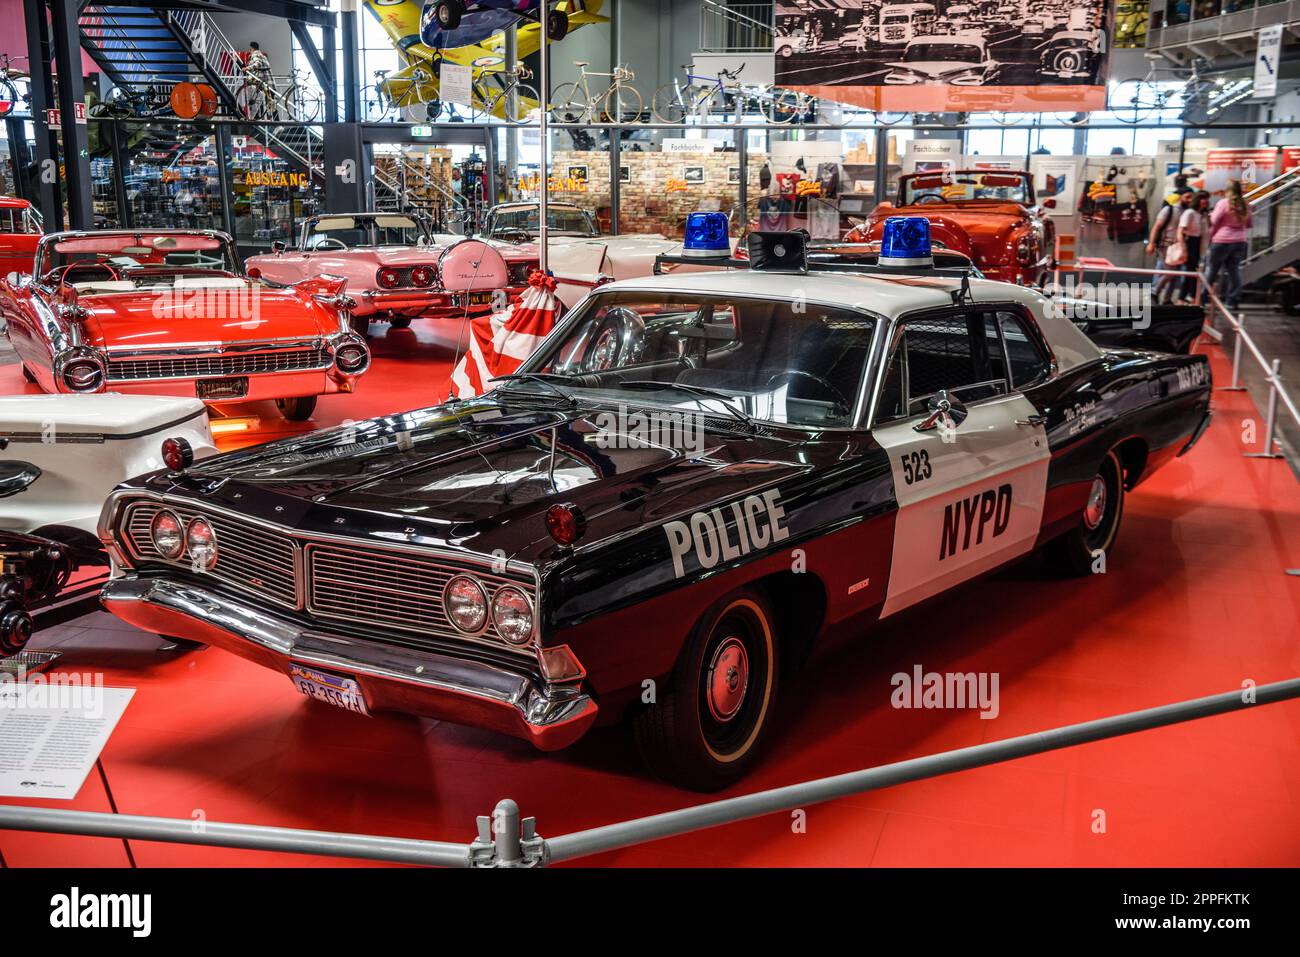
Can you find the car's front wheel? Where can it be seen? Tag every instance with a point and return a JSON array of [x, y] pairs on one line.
[[298, 409], [704, 730], [1079, 550]]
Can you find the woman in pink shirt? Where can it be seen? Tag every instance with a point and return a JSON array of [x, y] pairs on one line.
[[1229, 228]]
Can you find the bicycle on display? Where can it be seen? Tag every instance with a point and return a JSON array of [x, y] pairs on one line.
[[258, 99], [153, 100], [618, 102], [494, 96], [388, 98], [702, 95], [1136, 101], [9, 74]]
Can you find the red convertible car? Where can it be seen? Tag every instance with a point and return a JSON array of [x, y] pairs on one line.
[[168, 312], [396, 270], [20, 228], [990, 215]]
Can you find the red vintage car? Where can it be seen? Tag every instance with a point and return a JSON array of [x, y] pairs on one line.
[[396, 270], [168, 312], [990, 215], [20, 228]]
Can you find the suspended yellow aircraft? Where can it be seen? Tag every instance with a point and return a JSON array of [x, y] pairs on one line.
[[417, 82]]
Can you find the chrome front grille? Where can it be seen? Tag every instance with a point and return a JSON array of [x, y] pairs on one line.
[[234, 364], [392, 589], [249, 557], [374, 589]]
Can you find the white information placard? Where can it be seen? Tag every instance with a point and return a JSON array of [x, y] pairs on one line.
[[455, 83], [52, 731]]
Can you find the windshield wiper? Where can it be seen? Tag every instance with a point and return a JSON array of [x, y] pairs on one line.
[[544, 378], [701, 391]]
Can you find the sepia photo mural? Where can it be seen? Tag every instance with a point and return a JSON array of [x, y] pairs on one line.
[[944, 56]]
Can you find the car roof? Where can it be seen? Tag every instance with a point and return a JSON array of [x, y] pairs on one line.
[[890, 296]]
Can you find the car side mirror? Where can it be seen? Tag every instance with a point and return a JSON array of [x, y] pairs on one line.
[[278, 246], [943, 406]]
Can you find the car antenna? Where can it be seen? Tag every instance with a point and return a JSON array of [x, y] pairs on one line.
[[962, 294]]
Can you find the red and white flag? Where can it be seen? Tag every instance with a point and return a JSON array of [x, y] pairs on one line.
[[499, 343]]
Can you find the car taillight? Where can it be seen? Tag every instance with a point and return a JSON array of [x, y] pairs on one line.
[[389, 278], [422, 275], [352, 357], [1026, 252]]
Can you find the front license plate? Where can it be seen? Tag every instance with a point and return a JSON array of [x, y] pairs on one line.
[[338, 690], [474, 298], [221, 388]]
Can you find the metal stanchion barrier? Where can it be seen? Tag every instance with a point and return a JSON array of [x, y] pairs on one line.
[[507, 840]]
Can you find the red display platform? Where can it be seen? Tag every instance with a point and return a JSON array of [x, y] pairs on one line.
[[1195, 601]]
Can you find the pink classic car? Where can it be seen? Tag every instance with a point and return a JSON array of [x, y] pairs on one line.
[[396, 270]]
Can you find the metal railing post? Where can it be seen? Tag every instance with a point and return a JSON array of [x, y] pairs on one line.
[[504, 840], [1239, 327], [1270, 427]]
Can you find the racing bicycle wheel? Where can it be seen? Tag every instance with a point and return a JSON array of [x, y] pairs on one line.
[[705, 729], [666, 104], [569, 104], [297, 409], [623, 104], [1075, 552], [782, 106], [527, 99]]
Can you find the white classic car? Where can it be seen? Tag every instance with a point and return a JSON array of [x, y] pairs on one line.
[[60, 456], [579, 257]]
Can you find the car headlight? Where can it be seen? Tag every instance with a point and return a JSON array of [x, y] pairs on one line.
[[512, 613], [466, 604], [202, 543], [167, 534]]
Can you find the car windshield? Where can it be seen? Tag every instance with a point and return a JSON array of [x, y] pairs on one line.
[[943, 52], [14, 220], [350, 232], [120, 262], [963, 186], [781, 361], [560, 221]]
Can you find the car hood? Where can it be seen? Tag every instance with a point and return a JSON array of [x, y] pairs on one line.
[[482, 474], [248, 313]]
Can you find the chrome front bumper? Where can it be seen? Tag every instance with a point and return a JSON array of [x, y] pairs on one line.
[[392, 678]]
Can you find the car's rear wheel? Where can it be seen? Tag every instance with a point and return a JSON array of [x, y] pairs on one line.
[[400, 322], [1077, 552], [360, 325], [297, 409], [706, 727], [27, 375], [176, 643]]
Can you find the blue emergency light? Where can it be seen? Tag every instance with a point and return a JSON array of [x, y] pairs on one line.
[[906, 242], [706, 236]]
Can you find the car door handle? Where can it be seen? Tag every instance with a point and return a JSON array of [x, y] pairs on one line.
[[1032, 420]]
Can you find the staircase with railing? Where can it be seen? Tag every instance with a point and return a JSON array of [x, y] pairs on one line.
[[139, 47], [403, 185], [735, 28], [1277, 203]]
